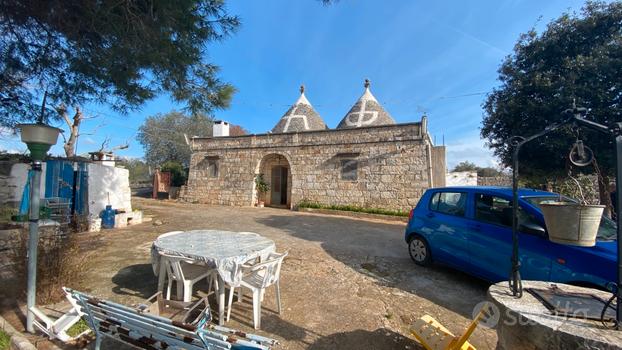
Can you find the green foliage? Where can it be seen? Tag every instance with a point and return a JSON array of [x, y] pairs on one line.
[[78, 328], [162, 136], [260, 184], [354, 208], [5, 340], [116, 53], [178, 173], [6, 212], [139, 170], [578, 56], [466, 166], [582, 187]]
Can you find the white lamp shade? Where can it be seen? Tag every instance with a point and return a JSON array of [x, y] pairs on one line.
[[39, 133]]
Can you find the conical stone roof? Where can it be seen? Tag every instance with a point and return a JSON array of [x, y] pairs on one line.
[[366, 112], [300, 117]]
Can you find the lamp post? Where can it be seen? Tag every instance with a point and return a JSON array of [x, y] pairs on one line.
[[39, 138]]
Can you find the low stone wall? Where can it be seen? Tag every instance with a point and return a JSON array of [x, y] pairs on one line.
[[504, 181]]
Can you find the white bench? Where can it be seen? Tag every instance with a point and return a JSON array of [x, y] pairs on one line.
[[148, 331]]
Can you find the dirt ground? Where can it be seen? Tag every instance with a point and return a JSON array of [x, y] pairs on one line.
[[346, 284]]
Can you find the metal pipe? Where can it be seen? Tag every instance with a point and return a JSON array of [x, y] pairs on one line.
[[33, 240], [516, 285], [618, 143]]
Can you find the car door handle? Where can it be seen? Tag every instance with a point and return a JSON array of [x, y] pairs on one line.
[[430, 215]]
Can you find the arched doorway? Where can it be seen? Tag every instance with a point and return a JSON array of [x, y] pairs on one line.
[[277, 173]]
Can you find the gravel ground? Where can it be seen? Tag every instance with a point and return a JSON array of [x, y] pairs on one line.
[[346, 284]]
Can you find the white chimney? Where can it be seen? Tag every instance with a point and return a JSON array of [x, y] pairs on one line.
[[221, 128]]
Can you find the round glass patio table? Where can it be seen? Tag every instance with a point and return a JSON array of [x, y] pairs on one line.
[[224, 251]]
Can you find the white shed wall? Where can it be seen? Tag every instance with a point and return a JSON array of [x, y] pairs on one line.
[[107, 180]]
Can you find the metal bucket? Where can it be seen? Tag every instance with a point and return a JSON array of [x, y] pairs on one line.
[[573, 224]]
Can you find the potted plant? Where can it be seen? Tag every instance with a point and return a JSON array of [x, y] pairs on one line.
[[572, 223], [262, 187]]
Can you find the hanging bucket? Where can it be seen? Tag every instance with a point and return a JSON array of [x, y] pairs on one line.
[[572, 224]]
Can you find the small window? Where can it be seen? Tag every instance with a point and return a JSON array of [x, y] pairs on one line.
[[452, 203], [212, 167], [349, 169]]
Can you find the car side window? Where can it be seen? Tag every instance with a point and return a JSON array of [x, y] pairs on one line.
[[498, 211], [452, 203]]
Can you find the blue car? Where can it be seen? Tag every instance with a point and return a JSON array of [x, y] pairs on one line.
[[470, 229]]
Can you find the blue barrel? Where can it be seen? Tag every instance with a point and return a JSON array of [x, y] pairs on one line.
[[108, 217]]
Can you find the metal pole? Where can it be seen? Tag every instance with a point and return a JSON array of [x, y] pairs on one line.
[[33, 240], [516, 285], [618, 199]]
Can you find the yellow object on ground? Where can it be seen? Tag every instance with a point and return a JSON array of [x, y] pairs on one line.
[[433, 336]]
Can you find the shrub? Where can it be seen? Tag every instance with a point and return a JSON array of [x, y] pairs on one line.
[[314, 205], [5, 340], [178, 173], [59, 263]]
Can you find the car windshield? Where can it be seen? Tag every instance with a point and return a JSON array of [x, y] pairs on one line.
[[607, 230]]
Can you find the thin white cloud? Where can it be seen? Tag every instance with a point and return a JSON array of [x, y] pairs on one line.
[[494, 48], [88, 141]]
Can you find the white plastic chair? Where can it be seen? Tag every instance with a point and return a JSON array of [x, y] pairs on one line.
[[185, 273], [257, 278]]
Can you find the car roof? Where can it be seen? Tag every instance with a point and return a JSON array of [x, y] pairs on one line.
[[507, 191]]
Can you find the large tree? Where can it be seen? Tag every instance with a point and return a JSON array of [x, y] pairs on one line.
[[577, 57], [119, 53], [162, 136]]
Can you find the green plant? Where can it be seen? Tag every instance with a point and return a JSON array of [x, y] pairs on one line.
[[178, 173], [78, 328], [314, 205], [260, 184], [6, 212], [5, 340]]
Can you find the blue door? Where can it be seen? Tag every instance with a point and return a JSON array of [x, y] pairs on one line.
[[490, 242], [447, 228], [59, 183]]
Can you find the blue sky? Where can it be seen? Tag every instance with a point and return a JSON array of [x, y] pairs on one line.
[[438, 57]]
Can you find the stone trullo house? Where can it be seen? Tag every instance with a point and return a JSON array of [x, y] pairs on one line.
[[367, 161]]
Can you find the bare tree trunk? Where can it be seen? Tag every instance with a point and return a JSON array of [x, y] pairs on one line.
[[605, 195], [74, 128]]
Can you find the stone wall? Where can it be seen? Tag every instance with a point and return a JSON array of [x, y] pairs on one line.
[[13, 177], [504, 181], [393, 166]]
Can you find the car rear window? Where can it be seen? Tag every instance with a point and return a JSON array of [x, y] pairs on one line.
[[452, 203]]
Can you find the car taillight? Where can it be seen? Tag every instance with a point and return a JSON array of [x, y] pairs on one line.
[[410, 215]]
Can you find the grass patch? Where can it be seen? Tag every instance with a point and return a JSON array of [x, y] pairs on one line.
[[353, 208], [6, 212], [77, 328], [5, 340]]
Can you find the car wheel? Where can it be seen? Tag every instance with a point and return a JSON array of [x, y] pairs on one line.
[[419, 251]]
